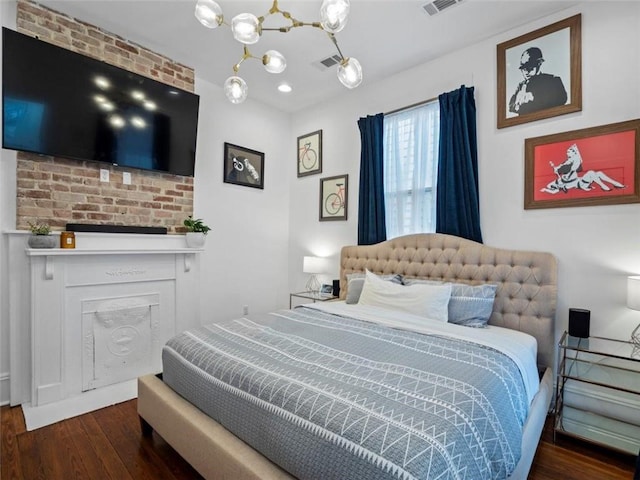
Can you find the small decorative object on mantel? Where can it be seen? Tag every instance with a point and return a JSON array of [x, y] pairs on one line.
[[41, 236], [67, 240], [196, 232]]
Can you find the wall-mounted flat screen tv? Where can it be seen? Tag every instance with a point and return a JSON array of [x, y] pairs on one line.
[[60, 103]]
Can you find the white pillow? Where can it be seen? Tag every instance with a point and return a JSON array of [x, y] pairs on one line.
[[429, 301], [355, 282]]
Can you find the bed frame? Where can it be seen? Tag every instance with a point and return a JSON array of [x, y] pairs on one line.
[[525, 301]]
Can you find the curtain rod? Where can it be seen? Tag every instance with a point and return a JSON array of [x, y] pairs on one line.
[[411, 106]]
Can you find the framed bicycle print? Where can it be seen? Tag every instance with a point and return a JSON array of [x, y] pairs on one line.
[[592, 166], [540, 73], [309, 153], [243, 166], [333, 197]]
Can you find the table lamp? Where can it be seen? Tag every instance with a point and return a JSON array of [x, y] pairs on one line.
[[313, 265], [633, 302]]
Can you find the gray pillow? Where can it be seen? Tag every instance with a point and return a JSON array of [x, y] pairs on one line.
[[469, 305], [355, 282]]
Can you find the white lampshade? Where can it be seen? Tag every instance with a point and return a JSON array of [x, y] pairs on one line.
[[333, 15], [245, 28], [350, 73], [313, 265], [633, 292], [274, 61], [209, 13], [236, 90]]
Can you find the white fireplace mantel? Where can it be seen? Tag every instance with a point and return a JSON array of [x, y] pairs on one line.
[[49, 253], [54, 293]]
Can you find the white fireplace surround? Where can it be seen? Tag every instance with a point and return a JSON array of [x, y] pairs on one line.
[[86, 322]]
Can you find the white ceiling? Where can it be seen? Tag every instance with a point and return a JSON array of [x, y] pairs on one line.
[[386, 36]]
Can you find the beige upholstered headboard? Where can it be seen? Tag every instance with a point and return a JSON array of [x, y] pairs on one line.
[[527, 281]]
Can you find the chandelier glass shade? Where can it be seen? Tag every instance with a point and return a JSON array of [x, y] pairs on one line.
[[209, 13], [248, 28], [350, 72], [236, 90], [333, 14], [274, 61]]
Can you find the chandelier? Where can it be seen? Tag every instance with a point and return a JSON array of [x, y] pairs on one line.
[[247, 29]]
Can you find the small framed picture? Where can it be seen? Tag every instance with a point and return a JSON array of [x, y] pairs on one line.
[[592, 166], [333, 197], [326, 289], [540, 73], [243, 166], [309, 154]]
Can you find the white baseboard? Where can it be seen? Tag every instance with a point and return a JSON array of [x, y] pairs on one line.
[[43, 415], [5, 392]]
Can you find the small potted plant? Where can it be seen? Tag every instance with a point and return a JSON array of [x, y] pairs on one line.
[[41, 235], [196, 231]]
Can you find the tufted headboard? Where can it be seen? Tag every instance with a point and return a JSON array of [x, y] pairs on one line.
[[527, 281]]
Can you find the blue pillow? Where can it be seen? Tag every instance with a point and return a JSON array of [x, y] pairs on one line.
[[469, 305]]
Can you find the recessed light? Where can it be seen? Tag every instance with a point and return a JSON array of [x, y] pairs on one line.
[[284, 88]]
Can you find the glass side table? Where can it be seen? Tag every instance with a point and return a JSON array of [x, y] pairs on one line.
[[314, 296], [598, 392]]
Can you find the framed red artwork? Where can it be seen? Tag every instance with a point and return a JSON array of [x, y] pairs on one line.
[[592, 166]]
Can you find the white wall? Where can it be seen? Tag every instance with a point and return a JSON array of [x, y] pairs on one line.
[[246, 251], [597, 247]]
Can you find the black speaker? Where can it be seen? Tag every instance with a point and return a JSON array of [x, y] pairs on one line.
[[336, 288], [579, 322]]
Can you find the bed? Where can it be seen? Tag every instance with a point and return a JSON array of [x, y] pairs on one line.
[[524, 285]]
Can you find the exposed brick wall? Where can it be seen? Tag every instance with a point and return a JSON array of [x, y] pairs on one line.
[[59, 191]]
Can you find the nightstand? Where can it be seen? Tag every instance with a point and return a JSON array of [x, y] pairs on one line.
[[315, 297], [598, 392]]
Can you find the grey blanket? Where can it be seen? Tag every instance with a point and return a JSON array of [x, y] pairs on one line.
[[325, 396]]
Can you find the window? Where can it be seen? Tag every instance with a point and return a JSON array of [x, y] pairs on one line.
[[410, 169]]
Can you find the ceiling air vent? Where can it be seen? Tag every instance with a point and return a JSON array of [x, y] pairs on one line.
[[437, 6], [328, 62]]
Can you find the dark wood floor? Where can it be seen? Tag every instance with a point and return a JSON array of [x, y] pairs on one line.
[[107, 444]]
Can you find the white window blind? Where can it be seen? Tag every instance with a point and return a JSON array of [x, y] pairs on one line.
[[410, 169]]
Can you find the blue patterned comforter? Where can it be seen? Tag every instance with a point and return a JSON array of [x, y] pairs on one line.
[[325, 396]]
